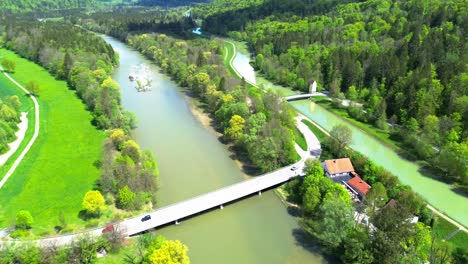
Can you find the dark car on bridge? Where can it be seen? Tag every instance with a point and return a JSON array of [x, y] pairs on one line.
[[146, 218]]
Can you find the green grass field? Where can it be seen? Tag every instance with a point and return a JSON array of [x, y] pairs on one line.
[[321, 136], [58, 170], [300, 139], [442, 228]]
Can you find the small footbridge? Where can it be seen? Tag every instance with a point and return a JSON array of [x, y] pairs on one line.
[[172, 214], [303, 96]]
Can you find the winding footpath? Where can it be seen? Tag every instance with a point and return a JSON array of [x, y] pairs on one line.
[[34, 137], [437, 212]]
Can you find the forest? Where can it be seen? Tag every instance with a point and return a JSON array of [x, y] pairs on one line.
[[12, 6], [86, 61], [122, 22], [402, 64]]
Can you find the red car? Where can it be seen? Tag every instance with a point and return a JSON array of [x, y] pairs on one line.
[[108, 228]]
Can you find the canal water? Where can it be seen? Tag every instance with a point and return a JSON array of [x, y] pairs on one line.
[[439, 194], [191, 162]]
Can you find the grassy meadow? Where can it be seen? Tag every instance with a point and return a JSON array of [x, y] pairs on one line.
[[58, 170]]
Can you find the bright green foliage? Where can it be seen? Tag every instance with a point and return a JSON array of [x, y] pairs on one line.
[[33, 87], [236, 128], [118, 137], [170, 252], [9, 118], [377, 196], [357, 247], [94, 202], [313, 168], [336, 221], [24, 219], [341, 137], [453, 159], [9, 64], [126, 197], [130, 148], [419, 243], [311, 199]]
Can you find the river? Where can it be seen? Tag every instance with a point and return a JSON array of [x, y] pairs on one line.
[[192, 161], [437, 193]]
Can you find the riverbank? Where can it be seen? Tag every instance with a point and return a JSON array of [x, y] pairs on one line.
[[197, 109], [13, 146]]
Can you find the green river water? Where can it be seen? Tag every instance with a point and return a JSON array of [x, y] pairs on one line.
[[439, 194], [192, 162]]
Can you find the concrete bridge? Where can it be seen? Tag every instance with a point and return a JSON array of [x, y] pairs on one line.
[[173, 214]]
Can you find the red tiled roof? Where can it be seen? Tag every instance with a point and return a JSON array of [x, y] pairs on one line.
[[359, 185], [339, 166]]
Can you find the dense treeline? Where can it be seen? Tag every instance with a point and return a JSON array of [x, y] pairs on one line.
[[170, 3], [75, 55], [223, 16], [259, 123], [124, 21], [147, 249], [382, 233], [9, 119], [86, 61], [31, 5], [403, 60]]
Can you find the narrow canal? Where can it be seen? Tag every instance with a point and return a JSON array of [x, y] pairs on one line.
[[440, 195], [192, 161]]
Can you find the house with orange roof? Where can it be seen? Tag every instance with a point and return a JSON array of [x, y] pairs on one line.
[[338, 170], [342, 171], [359, 186]]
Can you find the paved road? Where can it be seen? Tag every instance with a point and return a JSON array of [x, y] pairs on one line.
[[34, 137]]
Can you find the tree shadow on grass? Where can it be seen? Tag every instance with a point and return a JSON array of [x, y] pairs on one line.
[[85, 215], [461, 190]]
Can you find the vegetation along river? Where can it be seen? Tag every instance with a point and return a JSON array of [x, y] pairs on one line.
[[192, 162], [439, 194]]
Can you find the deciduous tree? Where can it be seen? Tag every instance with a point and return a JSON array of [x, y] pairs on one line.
[[236, 128], [24, 219], [341, 137], [33, 87], [170, 252], [94, 202], [126, 197], [9, 65]]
